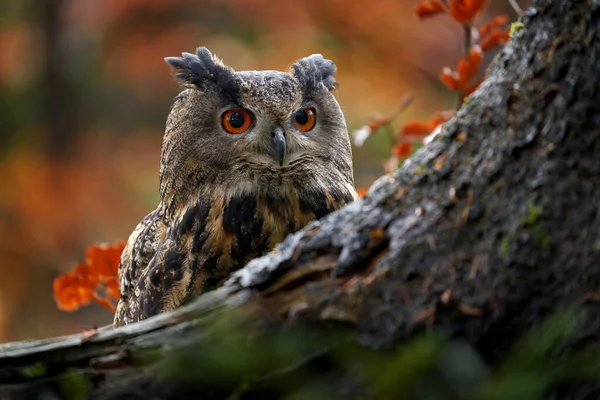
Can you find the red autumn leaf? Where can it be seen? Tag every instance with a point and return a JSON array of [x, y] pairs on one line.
[[422, 128], [361, 191], [401, 150], [499, 20], [495, 38], [377, 122], [471, 89], [72, 291], [426, 9], [103, 256], [463, 79], [450, 79], [112, 288], [82, 284], [441, 117], [484, 30], [468, 67], [464, 11], [416, 128]]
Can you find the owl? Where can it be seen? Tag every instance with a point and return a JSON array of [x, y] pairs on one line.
[[247, 158]]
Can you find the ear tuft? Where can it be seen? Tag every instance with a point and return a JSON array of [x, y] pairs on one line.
[[314, 71], [202, 69]]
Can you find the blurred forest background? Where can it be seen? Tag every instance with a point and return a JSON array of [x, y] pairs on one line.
[[84, 94]]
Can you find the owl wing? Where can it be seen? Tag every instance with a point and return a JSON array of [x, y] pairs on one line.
[[140, 250], [158, 264]]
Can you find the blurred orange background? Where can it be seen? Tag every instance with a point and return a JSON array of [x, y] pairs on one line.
[[84, 94]]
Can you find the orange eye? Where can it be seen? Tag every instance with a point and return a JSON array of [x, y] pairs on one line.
[[236, 121], [305, 119]]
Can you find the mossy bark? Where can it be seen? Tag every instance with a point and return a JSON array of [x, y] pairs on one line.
[[481, 235]]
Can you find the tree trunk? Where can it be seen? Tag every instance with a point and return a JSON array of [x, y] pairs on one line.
[[474, 241], [60, 99]]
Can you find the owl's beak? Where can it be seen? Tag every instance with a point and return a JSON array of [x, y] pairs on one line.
[[278, 144]]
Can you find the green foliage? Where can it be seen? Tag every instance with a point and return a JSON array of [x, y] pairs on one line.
[[407, 364], [542, 359], [243, 356], [33, 371], [74, 385], [327, 364]]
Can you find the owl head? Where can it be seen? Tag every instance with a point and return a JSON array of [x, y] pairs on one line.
[[253, 130]]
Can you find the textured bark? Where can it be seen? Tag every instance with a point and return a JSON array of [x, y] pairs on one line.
[[481, 234]]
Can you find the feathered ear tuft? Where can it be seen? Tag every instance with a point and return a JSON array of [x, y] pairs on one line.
[[314, 70], [203, 68]]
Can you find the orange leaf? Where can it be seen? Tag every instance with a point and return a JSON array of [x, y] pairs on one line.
[[112, 288], [377, 122], [450, 79], [105, 258], [484, 30], [361, 191], [471, 89], [499, 20], [71, 291], [104, 302], [464, 11], [401, 150], [416, 128], [467, 68], [495, 38], [441, 117], [79, 286], [427, 9], [496, 22], [419, 128]]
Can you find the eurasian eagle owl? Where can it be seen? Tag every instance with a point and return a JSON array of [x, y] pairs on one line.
[[247, 158]]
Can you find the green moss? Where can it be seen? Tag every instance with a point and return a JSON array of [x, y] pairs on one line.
[[74, 385], [33, 371], [533, 217], [532, 220], [516, 27]]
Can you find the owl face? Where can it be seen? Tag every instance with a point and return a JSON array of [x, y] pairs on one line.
[[258, 127], [279, 124]]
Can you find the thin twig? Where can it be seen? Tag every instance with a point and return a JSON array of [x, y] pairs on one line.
[[404, 103], [468, 42], [516, 7], [468, 38], [390, 134]]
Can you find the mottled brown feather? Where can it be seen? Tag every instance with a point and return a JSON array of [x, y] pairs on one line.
[[224, 198]]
